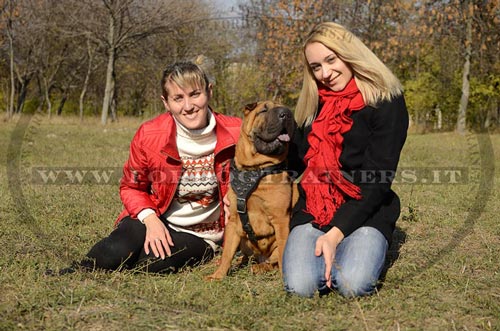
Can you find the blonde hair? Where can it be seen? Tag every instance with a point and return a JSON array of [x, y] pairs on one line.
[[375, 81], [184, 74]]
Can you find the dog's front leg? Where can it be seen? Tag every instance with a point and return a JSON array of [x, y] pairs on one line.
[[231, 243], [281, 229]]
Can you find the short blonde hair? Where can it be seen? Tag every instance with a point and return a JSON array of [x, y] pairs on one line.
[[375, 81], [184, 74]]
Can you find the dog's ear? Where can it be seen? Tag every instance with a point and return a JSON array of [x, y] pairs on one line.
[[251, 106]]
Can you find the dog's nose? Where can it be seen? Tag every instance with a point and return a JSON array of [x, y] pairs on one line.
[[283, 112]]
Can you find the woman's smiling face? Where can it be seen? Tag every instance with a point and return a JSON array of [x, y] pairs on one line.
[[327, 67], [189, 105]]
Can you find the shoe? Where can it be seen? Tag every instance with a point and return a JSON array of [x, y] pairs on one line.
[[86, 265]]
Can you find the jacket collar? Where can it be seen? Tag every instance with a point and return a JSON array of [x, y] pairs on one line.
[[224, 137], [170, 147]]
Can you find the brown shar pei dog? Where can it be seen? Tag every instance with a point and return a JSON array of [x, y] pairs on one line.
[[261, 189]]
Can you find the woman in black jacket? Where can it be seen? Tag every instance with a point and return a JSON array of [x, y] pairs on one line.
[[352, 124]]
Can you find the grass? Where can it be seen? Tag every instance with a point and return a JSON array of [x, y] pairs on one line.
[[444, 268]]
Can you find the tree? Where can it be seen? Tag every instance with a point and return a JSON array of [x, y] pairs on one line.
[[469, 30], [90, 69], [280, 28], [25, 38], [105, 57], [10, 13], [464, 99], [120, 25]]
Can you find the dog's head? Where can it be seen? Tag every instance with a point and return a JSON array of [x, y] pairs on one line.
[[270, 126], [267, 130]]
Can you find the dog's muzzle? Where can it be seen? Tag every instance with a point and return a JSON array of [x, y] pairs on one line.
[[273, 138]]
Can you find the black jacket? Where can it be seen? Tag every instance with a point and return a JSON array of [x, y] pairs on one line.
[[369, 158]]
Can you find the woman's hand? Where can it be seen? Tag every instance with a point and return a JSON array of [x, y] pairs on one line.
[[157, 237], [226, 203], [326, 245]]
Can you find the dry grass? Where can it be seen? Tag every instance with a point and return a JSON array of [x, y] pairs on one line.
[[444, 273]]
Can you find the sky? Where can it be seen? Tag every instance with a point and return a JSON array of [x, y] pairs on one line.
[[226, 5]]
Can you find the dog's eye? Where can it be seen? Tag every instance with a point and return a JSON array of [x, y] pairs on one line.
[[251, 106]]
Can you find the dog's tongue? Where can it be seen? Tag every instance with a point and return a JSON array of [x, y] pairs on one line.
[[284, 137]]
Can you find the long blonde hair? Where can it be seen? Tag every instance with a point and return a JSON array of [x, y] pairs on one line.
[[375, 81]]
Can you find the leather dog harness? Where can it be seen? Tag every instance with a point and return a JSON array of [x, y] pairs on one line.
[[243, 183]]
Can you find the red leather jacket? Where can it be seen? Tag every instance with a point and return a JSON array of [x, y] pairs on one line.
[[154, 167]]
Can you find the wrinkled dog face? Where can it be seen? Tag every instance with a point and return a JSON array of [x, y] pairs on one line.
[[272, 128]]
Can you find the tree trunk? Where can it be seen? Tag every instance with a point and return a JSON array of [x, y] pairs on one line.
[[63, 101], [47, 97], [23, 90], [109, 90], [439, 115], [114, 118], [10, 110], [82, 95], [464, 100], [113, 104], [87, 78]]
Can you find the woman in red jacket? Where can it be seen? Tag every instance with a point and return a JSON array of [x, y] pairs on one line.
[[173, 182]]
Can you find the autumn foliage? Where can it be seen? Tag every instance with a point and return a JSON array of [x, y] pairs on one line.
[[56, 56]]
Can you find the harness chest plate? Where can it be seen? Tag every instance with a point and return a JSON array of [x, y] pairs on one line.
[[243, 183]]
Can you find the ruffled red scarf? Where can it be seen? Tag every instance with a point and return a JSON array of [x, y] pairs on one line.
[[324, 185]]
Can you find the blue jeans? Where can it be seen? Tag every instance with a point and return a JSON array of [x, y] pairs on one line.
[[359, 260]]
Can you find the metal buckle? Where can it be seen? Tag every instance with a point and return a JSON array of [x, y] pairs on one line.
[[241, 205]]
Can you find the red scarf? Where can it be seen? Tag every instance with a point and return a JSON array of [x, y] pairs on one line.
[[324, 185]]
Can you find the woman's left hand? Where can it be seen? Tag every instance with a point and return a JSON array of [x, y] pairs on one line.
[[326, 245]]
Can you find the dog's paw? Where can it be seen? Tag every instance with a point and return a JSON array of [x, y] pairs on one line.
[[214, 277], [263, 267]]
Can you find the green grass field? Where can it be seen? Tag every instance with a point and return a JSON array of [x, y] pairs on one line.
[[444, 269]]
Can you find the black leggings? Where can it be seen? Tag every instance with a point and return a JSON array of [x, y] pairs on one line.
[[124, 248]]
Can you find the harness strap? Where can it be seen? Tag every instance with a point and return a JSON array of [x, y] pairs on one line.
[[243, 183]]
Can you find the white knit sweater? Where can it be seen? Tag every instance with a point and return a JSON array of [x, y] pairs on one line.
[[195, 208]]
